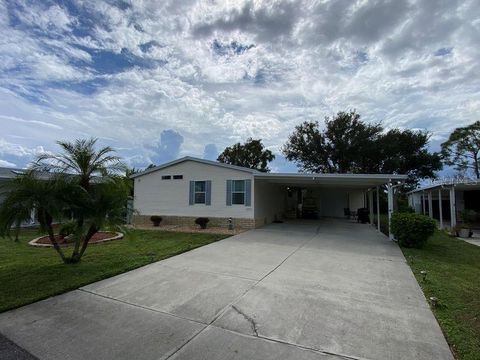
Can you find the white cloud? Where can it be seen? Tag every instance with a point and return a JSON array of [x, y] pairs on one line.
[[227, 70], [4, 163]]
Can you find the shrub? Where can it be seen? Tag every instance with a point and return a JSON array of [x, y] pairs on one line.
[[406, 209], [412, 230], [202, 221], [67, 228], [156, 220]]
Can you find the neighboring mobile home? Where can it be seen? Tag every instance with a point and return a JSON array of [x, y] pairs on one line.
[[187, 188], [447, 201]]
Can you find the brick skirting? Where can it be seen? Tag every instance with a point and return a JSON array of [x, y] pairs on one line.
[[190, 220]]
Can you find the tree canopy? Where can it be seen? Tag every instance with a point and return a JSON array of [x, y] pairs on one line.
[[81, 181], [252, 154], [462, 148], [349, 145]]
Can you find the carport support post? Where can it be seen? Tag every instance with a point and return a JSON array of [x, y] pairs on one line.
[[440, 210], [390, 208], [378, 208], [430, 205], [370, 205], [423, 203], [453, 206]]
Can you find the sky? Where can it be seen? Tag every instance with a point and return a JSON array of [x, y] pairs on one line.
[[158, 80]]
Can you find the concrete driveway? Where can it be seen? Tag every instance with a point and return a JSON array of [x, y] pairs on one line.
[[304, 290]]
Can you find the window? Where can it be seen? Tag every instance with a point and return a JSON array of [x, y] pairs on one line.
[[238, 192], [200, 192], [166, 177], [178, 177]]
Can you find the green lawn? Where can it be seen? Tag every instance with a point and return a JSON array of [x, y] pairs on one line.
[[29, 274], [454, 278]]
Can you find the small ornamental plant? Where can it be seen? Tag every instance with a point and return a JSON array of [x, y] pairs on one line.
[[412, 230], [156, 220], [202, 221]]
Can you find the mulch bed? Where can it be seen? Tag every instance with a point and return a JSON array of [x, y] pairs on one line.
[[97, 237], [191, 229]]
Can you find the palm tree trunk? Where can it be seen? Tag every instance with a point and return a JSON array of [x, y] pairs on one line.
[[51, 236], [91, 231], [76, 249]]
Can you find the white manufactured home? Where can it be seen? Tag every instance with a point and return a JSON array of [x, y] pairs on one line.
[[446, 201], [187, 188]]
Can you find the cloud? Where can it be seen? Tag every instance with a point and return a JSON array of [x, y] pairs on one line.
[[168, 148], [210, 152], [4, 163], [159, 80]]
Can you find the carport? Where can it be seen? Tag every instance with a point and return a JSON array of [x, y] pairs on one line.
[[445, 201], [291, 196]]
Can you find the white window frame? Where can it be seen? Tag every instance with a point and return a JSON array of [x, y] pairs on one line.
[[195, 192], [244, 192]]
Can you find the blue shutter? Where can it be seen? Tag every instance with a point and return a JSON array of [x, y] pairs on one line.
[[229, 192], [208, 192], [248, 192], [191, 195]]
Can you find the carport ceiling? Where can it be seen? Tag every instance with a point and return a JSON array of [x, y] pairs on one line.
[[331, 180]]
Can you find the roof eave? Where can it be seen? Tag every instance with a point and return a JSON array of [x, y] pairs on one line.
[[190, 158]]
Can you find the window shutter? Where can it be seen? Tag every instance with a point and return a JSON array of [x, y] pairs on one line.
[[191, 196], [229, 192], [248, 192], [208, 192]]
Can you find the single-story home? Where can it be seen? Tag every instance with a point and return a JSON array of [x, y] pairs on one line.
[[187, 188], [7, 174], [446, 200]]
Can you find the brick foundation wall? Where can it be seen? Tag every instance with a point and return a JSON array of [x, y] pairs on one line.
[[190, 220]]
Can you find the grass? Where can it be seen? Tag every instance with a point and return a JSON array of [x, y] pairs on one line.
[[453, 277], [29, 274]]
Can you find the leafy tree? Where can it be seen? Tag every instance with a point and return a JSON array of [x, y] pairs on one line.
[[462, 149], [338, 149], [81, 181], [406, 152], [252, 154], [349, 145]]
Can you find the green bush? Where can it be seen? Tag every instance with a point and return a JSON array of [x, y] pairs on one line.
[[202, 221], [412, 230], [67, 228], [406, 209], [156, 220]]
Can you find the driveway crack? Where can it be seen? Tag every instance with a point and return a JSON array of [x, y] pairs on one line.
[[248, 318]]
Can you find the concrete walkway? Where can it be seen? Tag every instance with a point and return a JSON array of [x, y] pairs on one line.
[[305, 290]]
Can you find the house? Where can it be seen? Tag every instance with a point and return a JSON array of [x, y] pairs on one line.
[[445, 201], [187, 188], [7, 174]]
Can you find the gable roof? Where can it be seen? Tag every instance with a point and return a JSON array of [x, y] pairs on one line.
[[198, 160], [380, 178]]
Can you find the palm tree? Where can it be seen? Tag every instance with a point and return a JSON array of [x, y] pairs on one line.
[[27, 193], [82, 181], [82, 159]]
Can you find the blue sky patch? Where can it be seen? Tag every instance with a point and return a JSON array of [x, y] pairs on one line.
[[443, 51], [232, 48]]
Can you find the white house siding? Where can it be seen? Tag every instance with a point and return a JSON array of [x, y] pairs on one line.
[[269, 202], [154, 196]]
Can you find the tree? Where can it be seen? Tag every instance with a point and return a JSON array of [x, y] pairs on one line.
[[81, 181], [462, 148], [338, 149], [252, 154], [348, 145]]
